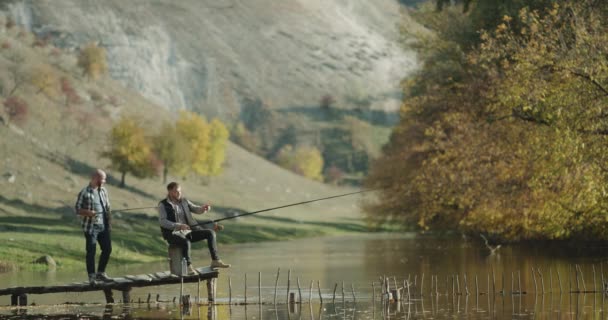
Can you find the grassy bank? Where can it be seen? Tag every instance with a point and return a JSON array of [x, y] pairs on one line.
[[34, 231]]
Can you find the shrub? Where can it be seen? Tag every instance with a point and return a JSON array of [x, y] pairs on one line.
[[327, 101], [16, 109], [92, 60]]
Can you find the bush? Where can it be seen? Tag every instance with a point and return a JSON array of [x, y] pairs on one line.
[[92, 60], [16, 109]]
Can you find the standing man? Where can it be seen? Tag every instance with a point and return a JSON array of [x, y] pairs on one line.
[[93, 206], [178, 227]]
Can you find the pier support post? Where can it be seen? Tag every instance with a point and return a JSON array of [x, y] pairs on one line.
[[211, 289], [109, 297], [14, 299], [23, 299], [126, 295]]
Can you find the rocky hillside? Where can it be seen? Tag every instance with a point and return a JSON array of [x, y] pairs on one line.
[[208, 55]]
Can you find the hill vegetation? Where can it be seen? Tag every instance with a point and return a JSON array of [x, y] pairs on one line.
[[57, 120], [503, 131]]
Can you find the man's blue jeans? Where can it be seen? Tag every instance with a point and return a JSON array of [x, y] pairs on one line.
[[99, 234]]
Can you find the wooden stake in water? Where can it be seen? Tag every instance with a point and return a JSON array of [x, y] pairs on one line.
[[276, 283], [594, 286], [299, 291], [259, 287], [457, 285], [502, 292], [343, 291], [476, 286], [310, 292], [512, 282], [373, 292], [576, 277], [542, 281], [519, 281], [352, 287], [229, 290], [534, 277], [245, 288], [559, 281], [333, 299], [550, 280], [421, 284], [582, 277], [288, 283], [319, 287], [466, 286]]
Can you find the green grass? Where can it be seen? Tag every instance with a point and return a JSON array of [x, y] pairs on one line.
[[29, 235]]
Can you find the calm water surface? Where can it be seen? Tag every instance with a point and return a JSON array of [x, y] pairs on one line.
[[351, 264]]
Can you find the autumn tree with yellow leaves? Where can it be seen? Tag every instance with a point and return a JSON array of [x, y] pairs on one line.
[[129, 151], [92, 60], [504, 131]]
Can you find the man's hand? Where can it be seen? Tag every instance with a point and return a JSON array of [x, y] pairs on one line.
[[217, 227], [206, 207], [183, 227]]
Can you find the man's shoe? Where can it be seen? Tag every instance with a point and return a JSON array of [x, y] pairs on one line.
[[92, 279], [192, 271], [219, 264], [102, 276]]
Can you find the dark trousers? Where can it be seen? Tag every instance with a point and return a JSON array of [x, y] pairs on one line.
[[195, 236], [101, 235]]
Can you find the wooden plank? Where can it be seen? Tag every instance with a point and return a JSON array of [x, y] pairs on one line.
[[158, 278]]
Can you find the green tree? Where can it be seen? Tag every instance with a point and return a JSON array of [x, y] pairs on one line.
[[129, 151]]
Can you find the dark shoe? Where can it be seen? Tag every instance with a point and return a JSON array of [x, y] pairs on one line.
[[92, 279], [102, 276]]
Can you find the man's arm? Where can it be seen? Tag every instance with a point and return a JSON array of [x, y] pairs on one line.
[[82, 196], [198, 209]]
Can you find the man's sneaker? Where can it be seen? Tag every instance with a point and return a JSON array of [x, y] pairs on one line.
[[102, 276], [219, 264], [192, 271], [92, 279]]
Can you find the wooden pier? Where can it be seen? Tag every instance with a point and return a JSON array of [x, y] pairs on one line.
[[123, 284]]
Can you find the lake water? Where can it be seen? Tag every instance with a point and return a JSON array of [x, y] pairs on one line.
[[353, 265]]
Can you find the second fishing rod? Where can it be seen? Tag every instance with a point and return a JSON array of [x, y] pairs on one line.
[[268, 209]]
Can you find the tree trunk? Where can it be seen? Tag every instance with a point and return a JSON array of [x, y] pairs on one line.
[[165, 171], [122, 179]]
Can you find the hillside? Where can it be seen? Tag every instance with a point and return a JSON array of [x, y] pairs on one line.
[[209, 55], [47, 159]]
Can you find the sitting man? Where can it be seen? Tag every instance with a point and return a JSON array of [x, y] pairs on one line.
[[179, 228]]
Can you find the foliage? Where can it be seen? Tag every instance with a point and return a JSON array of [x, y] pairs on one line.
[[508, 137], [306, 161], [45, 79], [16, 109], [92, 60], [129, 151], [70, 94], [171, 150], [206, 143], [218, 136]]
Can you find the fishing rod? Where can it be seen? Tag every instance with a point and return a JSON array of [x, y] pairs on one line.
[[265, 210], [288, 205]]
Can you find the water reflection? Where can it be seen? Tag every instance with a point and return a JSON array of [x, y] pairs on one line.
[[439, 278], [572, 306]]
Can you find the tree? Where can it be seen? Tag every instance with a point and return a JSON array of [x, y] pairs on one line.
[[129, 151], [92, 60], [218, 136], [305, 161], [44, 78], [171, 150], [506, 137], [195, 131]]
